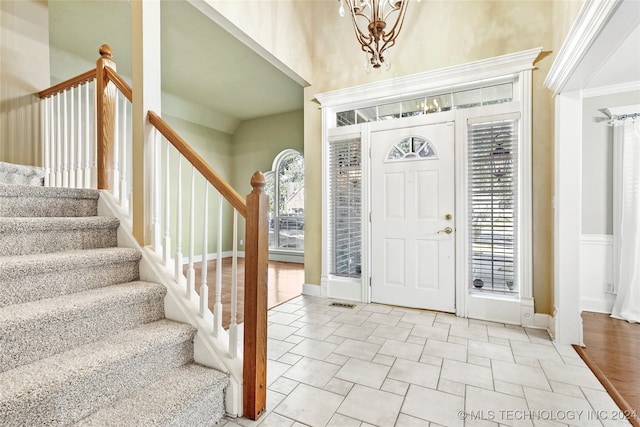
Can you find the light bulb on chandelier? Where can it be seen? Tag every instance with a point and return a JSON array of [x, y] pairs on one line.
[[377, 24]]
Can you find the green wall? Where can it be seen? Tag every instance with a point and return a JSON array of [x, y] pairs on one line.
[[257, 142], [215, 148], [253, 146]]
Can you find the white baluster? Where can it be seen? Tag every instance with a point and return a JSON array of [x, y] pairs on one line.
[[115, 172], [65, 140], [72, 139], [191, 273], [58, 164], [178, 267], [155, 194], [122, 191], [204, 289], [166, 243], [46, 148], [79, 127], [88, 157], [217, 309], [52, 141], [94, 140], [233, 326]]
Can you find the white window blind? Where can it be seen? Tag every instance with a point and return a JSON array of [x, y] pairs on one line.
[[493, 205], [346, 207]]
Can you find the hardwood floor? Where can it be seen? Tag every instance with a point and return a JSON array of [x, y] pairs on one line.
[[612, 351], [285, 281]]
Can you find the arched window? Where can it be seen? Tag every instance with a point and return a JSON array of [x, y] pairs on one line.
[[285, 188]]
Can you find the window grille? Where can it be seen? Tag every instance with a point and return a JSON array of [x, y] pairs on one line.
[[346, 207], [493, 205]]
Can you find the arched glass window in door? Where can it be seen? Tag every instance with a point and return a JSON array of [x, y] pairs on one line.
[[285, 187]]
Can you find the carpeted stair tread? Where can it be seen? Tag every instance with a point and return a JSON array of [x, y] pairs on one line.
[[24, 265], [39, 224], [33, 201], [27, 316], [63, 273], [39, 329], [21, 236], [191, 395], [67, 387]]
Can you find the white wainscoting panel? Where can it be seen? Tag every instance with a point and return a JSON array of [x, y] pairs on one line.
[[596, 273]]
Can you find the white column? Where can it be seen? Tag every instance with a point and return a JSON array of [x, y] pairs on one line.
[[146, 84], [567, 218]]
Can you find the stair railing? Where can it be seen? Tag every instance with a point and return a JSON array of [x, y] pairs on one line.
[[86, 130]]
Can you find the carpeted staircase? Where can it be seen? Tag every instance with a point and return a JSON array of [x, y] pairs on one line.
[[82, 340]]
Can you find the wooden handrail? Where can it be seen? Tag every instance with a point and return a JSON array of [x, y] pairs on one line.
[[120, 83], [68, 84], [198, 162]]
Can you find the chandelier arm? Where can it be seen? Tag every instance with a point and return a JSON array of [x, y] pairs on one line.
[[393, 8], [397, 26], [364, 40]]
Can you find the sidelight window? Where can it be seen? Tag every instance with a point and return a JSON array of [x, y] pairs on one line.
[[493, 206]]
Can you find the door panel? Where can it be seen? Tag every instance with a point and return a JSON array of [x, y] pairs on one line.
[[413, 260]]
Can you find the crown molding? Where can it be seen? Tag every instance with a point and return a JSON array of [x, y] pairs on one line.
[[483, 70], [592, 18]]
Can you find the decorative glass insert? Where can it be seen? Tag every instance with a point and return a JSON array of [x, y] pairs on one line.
[[428, 104], [413, 147]]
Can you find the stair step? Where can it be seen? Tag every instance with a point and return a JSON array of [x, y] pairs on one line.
[[67, 387], [11, 173], [64, 273], [39, 329], [31, 201], [191, 395], [21, 236]]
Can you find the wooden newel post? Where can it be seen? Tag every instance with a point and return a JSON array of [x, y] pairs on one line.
[[255, 300], [105, 118]]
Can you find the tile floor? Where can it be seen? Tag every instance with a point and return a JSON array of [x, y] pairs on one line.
[[377, 365]]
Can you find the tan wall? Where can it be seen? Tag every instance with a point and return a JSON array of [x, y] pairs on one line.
[[278, 26], [24, 70]]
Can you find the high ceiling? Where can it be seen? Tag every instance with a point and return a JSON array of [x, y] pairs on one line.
[[201, 62]]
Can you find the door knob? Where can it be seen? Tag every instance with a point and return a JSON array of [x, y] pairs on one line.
[[447, 230]]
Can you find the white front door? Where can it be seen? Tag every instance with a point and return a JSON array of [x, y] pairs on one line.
[[412, 217]]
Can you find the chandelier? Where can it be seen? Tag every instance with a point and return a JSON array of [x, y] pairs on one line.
[[377, 24]]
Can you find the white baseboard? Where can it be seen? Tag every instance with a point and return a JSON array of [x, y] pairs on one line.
[[311, 290], [598, 305], [541, 321]]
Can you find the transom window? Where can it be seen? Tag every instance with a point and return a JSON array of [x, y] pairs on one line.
[[436, 103]]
